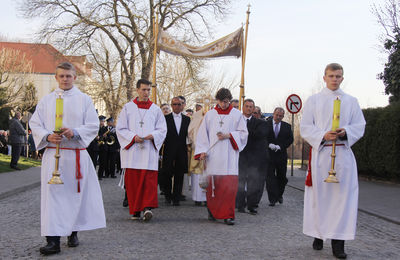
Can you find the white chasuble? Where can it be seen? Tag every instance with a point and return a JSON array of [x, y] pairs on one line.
[[222, 158], [134, 121], [63, 208], [330, 209]]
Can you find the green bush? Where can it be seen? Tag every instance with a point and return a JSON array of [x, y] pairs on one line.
[[378, 152]]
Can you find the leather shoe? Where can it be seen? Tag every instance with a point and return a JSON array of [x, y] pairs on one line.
[[113, 176], [52, 247], [125, 203], [176, 203], [280, 200], [318, 244], [338, 249], [272, 204], [197, 203], [182, 198], [15, 168], [252, 212], [73, 239], [229, 221]]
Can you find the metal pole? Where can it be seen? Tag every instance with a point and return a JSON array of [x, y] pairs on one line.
[[291, 174]]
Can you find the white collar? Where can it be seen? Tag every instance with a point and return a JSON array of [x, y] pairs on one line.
[[176, 115], [245, 117]]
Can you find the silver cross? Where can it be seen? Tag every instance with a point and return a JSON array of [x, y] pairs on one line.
[[221, 123], [141, 123]]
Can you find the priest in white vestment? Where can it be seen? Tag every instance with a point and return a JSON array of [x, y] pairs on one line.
[[195, 166], [141, 130], [77, 204], [330, 209], [221, 136]]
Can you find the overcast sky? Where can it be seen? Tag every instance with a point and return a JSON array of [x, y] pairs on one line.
[[289, 44]]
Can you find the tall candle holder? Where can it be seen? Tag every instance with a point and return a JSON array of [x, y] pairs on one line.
[[55, 179], [335, 124]]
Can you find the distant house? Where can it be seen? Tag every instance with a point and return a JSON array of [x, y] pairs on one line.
[[45, 59]]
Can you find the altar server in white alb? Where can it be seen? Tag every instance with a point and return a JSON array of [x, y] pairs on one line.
[[221, 136], [141, 130], [77, 204], [330, 209]]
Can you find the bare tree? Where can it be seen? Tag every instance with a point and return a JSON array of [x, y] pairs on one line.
[[388, 17], [126, 23], [15, 71]]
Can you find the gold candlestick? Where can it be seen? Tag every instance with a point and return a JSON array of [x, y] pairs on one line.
[[335, 124], [55, 179]]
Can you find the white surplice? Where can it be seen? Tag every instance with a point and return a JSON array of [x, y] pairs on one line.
[[330, 209], [222, 159], [63, 209], [145, 155]]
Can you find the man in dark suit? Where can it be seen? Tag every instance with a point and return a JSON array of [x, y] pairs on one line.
[[175, 159], [280, 137], [16, 139], [112, 148], [252, 161], [102, 149]]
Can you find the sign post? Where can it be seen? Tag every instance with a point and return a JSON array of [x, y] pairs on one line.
[[293, 105]]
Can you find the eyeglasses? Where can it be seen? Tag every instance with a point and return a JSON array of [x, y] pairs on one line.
[[178, 104]]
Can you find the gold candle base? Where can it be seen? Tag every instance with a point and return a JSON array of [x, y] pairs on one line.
[[55, 179], [332, 177]]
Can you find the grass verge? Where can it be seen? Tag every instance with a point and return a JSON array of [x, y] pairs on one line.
[[23, 163]]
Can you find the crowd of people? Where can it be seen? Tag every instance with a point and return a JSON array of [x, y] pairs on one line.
[[229, 156]]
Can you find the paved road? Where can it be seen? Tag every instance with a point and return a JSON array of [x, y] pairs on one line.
[[185, 233]]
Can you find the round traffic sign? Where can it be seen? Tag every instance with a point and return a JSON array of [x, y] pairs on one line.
[[293, 104]]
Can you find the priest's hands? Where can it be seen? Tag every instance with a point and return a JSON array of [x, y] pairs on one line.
[[67, 132], [149, 137], [222, 136], [333, 135], [54, 138], [203, 156], [138, 139]]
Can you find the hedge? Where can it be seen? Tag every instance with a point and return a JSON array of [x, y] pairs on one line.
[[378, 151]]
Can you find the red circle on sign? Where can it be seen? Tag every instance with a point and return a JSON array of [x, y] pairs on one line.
[[293, 104]]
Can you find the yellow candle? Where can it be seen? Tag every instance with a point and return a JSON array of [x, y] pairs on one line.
[[59, 112], [336, 114]]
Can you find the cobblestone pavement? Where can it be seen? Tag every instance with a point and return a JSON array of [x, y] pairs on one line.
[[185, 233]]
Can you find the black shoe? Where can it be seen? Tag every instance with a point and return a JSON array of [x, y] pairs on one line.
[[136, 216], [162, 193], [73, 239], [241, 210], [210, 216], [176, 203], [197, 203], [51, 248], [113, 176], [252, 212], [182, 198], [338, 249], [272, 204], [280, 200], [125, 203], [100, 178], [229, 221], [168, 201], [318, 244], [15, 168]]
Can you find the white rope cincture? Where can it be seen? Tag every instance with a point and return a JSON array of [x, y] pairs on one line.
[[212, 186], [122, 180]]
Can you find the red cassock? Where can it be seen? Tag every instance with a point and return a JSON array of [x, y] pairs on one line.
[[221, 195], [141, 188]]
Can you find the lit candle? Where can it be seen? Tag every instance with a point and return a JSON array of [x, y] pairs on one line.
[[336, 114], [59, 112]]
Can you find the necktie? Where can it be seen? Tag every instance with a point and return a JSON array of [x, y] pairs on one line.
[[248, 121], [276, 130]]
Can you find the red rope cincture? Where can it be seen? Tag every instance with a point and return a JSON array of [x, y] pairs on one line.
[[309, 178], [78, 174]]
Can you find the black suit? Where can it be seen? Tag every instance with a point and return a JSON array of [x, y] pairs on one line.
[[252, 163], [102, 152], [175, 158], [277, 166], [112, 151]]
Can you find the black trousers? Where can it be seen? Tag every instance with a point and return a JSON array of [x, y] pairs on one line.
[[249, 187], [15, 154], [276, 180], [111, 161], [93, 155], [175, 170], [102, 164]]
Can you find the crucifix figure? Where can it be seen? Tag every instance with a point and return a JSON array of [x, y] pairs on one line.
[[221, 123], [141, 123]]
